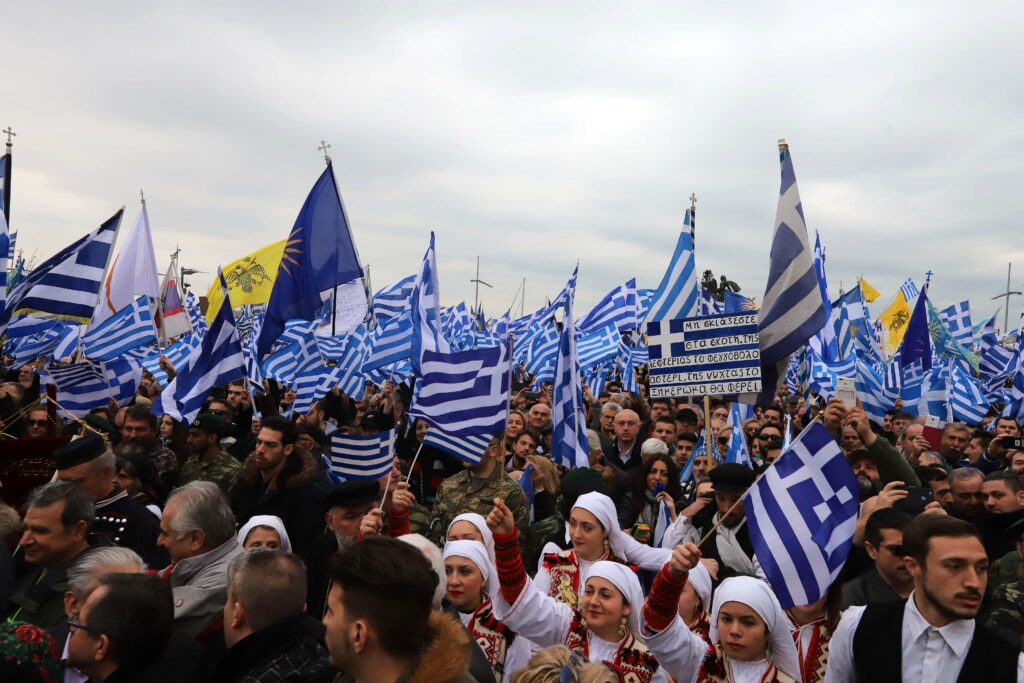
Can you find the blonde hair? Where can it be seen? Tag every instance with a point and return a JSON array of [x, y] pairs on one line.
[[546, 665], [548, 473]]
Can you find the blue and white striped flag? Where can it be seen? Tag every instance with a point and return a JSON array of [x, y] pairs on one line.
[[569, 446], [195, 314], [29, 348], [425, 311], [1014, 405], [910, 290], [966, 397], [216, 361], [393, 299], [597, 377], [253, 372], [358, 456], [663, 523], [463, 393], [347, 371], [792, 310], [129, 328], [934, 397], [802, 513], [676, 296], [543, 351], [618, 308], [598, 346], [391, 342], [84, 386], [469, 449], [708, 304], [309, 372], [958, 319], [737, 452], [824, 342], [67, 285]]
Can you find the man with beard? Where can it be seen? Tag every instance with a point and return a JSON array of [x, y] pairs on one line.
[[864, 468], [888, 579], [934, 636], [140, 436], [887, 460]]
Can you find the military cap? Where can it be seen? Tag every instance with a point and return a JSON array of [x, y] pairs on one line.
[[578, 481], [731, 477], [860, 454], [312, 432], [1016, 529], [352, 493], [99, 423], [209, 423], [80, 450]]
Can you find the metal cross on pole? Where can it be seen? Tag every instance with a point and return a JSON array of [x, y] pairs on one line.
[[1006, 295], [323, 148], [478, 281], [10, 134]]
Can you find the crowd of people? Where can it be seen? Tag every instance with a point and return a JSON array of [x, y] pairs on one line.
[[224, 550]]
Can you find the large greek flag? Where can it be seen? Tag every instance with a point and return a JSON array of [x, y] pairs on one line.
[[215, 362], [618, 308], [958, 319], [802, 514], [129, 328], [393, 299], [569, 446], [84, 386], [676, 296], [463, 393], [67, 285], [362, 456]]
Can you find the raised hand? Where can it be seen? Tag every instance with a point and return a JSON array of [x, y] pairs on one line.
[[402, 499], [685, 557], [500, 520], [371, 524]]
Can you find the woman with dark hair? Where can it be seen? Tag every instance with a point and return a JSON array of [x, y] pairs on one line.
[[174, 435], [136, 474], [659, 482]]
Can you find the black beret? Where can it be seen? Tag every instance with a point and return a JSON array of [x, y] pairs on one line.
[[312, 432], [579, 481], [78, 451], [210, 423], [731, 477], [352, 493]]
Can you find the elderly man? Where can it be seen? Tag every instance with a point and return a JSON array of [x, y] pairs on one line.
[[120, 519], [198, 530], [624, 451], [539, 417], [607, 420], [968, 497], [57, 518]]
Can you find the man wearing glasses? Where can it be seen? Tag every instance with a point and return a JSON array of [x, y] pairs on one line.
[[888, 579], [37, 424]]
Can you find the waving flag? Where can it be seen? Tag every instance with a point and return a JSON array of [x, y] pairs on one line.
[[318, 255], [129, 328], [569, 438], [802, 513], [393, 299], [171, 318], [676, 296], [737, 303], [84, 386], [391, 342], [357, 456], [133, 272], [425, 311], [896, 316], [958, 320], [463, 393], [966, 397], [598, 347], [792, 309], [917, 344], [824, 342], [216, 361], [469, 449], [250, 279], [618, 308], [737, 452]]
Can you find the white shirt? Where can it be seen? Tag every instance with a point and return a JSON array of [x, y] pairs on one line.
[[71, 674], [930, 654], [729, 548]]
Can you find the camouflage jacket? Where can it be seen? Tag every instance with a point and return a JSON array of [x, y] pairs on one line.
[[222, 471], [463, 492], [165, 461], [1005, 612]]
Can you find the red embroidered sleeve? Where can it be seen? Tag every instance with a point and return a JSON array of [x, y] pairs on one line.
[[398, 524], [662, 604], [511, 570]]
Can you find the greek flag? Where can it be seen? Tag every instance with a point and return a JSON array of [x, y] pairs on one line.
[[1015, 394], [195, 314], [617, 308], [216, 361], [84, 386], [598, 376], [393, 299], [569, 438], [425, 312], [958, 319], [67, 285], [676, 296], [824, 342], [935, 393], [177, 353], [469, 449], [391, 342], [737, 452], [543, 351], [253, 371], [802, 513], [281, 365], [708, 305], [129, 328], [793, 309], [910, 290], [347, 372], [870, 392], [308, 373], [357, 456], [662, 525], [966, 397], [597, 347], [995, 358], [463, 393], [29, 348], [844, 340]]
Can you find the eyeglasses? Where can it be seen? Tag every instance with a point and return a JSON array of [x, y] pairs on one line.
[[724, 441], [895, 548], [74, 624], [37, 423]]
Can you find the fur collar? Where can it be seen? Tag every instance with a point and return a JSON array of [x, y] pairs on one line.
[[299, 469], [445, 657]]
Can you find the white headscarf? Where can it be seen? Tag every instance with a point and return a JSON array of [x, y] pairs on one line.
[[270, 521], [481, 525], [758, 596], [625, 579], [700, 579], [475, 552], [602, 507]]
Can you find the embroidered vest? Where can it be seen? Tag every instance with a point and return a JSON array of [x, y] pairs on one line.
[[564, 570], [633, 662], [702, 625], [493, 637], [714, 669], [814, 661]]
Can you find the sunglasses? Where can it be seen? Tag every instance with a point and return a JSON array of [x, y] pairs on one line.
[[895, 548], [37, 423]]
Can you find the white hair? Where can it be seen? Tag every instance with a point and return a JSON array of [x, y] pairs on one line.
[[433, 555], [654, 446], [83, 576]]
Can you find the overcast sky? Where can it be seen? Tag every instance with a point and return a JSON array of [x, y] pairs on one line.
[[533, 134]]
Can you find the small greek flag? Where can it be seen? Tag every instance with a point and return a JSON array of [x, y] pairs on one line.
[[358, 456], [129, 328]]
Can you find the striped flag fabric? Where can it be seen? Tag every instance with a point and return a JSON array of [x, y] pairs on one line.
[[958, 319], [676, 296], [391, 342], [195, 314], [347, 372], [618, 308], [802, 513], [463, 393], [68, 342], [29, 348], [966, 397], [469, 449], [569, 438], [870, 392], [663, 523], [737, 452], [934, 396], [597, 378], [84, 386], [281, 365], [824, 342], [216, 361], [598, 346], [393, 299], [910, 290], [1014, 406], [253, 372], [67, 285], [177, 353], [171, 318], [792, 309], [308, 373], [425, 311], [129, 328], [708, 305], [543, 350], [362, 456]]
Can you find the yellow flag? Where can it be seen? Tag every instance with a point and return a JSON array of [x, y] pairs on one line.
[[894, 321], [249, 279], [869, 292]]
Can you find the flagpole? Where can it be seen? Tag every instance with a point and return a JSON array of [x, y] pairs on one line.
[[508, 398], [708, 442], [110, 256], [8, 165]]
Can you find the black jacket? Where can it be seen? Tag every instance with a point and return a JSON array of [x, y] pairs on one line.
[[290, 650]]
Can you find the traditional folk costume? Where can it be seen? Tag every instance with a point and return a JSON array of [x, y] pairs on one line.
[[547, 621], [506, 653], [811, 642], [561, 572], [682, 652]]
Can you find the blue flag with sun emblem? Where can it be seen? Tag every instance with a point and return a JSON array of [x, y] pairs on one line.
[[319, 255]]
